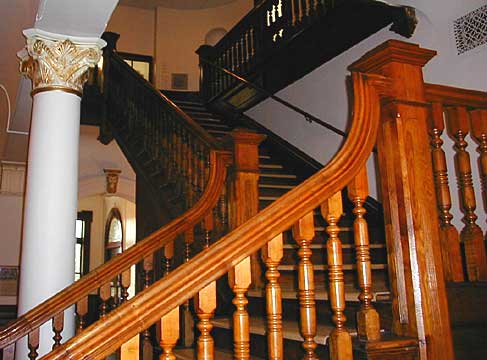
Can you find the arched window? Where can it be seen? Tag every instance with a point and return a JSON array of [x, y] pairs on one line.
[[113, 234]]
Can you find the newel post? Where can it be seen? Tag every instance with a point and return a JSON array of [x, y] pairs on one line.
[[406, 175], [244, 194]]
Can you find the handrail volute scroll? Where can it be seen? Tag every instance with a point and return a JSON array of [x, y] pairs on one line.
[[219, 160], [103, 337]]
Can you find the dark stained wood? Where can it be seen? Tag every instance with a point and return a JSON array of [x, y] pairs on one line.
[[285, 48], [415, 263], [387, 348]]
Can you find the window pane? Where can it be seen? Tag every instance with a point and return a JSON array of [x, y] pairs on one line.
[[77, 259], [142, 68], [79, 229], [115, 234]]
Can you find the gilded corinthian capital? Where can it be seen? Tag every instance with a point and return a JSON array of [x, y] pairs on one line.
[[54, 62]]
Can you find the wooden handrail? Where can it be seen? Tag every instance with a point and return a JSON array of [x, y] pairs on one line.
[[103, 337], [191, 124], [453, 96], [42, 313]]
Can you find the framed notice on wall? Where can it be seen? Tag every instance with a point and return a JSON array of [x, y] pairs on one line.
[[9, 276]]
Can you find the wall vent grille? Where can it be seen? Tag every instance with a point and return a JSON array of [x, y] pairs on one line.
[[471, 30]]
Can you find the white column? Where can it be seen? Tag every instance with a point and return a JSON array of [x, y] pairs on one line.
[[57, 67]]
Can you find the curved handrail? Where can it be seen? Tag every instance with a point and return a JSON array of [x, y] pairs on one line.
[[150, 305], [219, 160], [191, 124]]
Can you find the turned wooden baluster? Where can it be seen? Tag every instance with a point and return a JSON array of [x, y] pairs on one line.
[[340, 342], [169, 329], [33, 343], [208, 226], [105, 295], [57, 328], [81, 311], [450, 240], [125, 284], [223, 211], [471, 235], [240, 279], [368, 323], [478, 120], [205, 304], [303, 234], [168, 256], [169, 323], [147, 267], [272, 255], [187, 321]]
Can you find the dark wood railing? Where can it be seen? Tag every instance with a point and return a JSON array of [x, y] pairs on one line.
[[279, 41], [169, 143], [261, 32]]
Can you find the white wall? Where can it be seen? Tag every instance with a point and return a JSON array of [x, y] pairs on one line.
[[323, 92], [11, 201]]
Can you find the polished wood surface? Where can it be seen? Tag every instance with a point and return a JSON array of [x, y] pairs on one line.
[[169, 330], [244, 203], [205, 305], [33, 343], [368, 322], [184, 282], [57, 328], [478, 124], [303, 233], [450, 240], [272, 254], [471, 235], [79, 290], [411, 218], [340, 341]]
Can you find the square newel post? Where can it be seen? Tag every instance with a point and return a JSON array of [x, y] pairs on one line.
[[244, 194], [411, 219], [243, 204]]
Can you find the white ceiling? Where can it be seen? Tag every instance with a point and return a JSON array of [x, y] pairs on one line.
[[87, 18], [176, 4]]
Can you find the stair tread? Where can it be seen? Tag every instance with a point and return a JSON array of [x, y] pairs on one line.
[[189, 354], [322, 267], [290, 329], [321, 293]]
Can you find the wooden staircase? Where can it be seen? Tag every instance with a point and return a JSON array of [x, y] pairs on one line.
[[275, 179], [420, 256]]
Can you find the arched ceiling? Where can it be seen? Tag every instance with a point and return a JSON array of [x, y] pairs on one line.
[[176, 4]]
